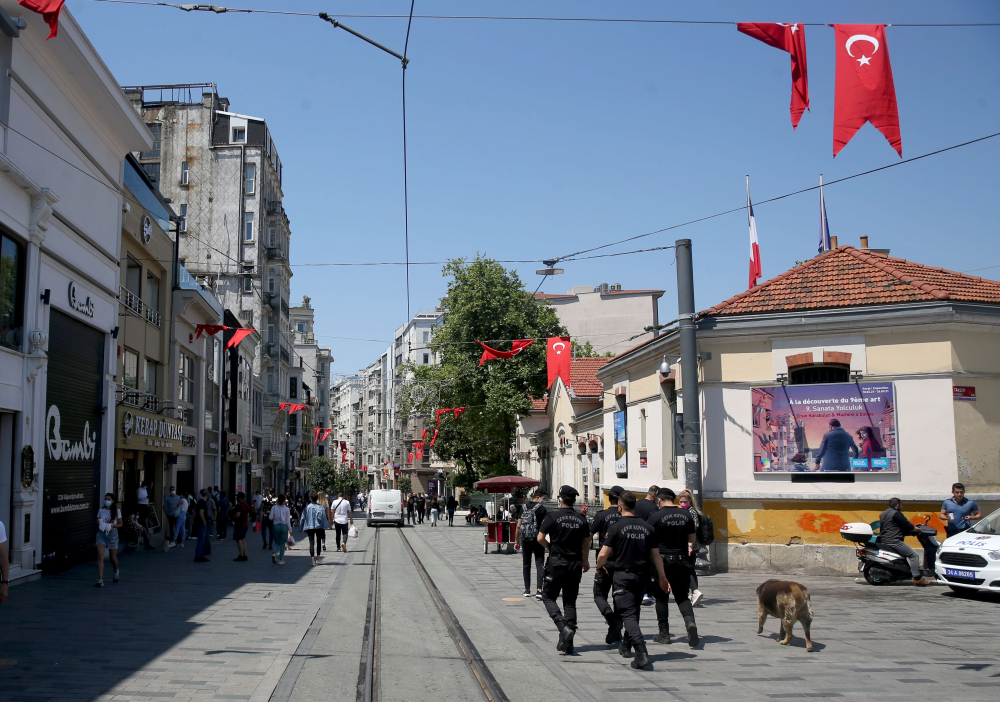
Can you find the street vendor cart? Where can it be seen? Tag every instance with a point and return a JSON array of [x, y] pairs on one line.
[[502, 532]]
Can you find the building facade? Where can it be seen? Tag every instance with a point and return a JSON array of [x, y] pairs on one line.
[[606, 316], [314, 361]]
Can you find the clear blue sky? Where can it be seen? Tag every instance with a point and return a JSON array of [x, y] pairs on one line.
[[535, 139]]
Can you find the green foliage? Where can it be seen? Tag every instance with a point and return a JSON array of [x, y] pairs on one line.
[[485, 302], [325, 476], [404, 484], [587, 351]]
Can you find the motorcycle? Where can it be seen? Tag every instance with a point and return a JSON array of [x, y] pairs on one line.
[[880, 564]]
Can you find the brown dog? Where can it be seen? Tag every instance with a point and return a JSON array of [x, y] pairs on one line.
[[787, 601]]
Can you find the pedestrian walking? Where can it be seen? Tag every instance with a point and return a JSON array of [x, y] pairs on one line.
[[266, 525], [170, 502], [324, 502], [212, 510], [527, 537], [452, 504], [411, 503], [566, 535], [142, 498], [686, 501], [222, 518], [201, 522], [633, 541], [180, 520], [4, 565], [602, 577], [109, 520], [434, 512], [257, 499], [342, 517], [675, 533], [421, 503], [239, 515], [189, 526], [281, 519], [314, 523]]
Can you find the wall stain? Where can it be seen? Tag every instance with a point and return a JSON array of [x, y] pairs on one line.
[[822, 523]]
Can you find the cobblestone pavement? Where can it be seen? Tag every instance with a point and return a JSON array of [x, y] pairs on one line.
[[174, 629]]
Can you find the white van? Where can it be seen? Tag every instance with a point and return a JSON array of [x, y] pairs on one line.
[[385, 507]]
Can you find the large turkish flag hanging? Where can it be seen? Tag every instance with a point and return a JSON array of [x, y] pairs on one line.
[[790, 38], [516, 347], [48, 9], [865, 91], [558, 359]]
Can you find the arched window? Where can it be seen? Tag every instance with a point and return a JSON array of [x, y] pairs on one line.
[[819, 374]]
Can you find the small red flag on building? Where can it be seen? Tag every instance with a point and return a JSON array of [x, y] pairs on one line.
[[790, 38], [516, 347], [458, 411], [435, 437], [238, 336], [865, 91], [558, 359], [210, 329], [411, 457], [440, 412], [48, 9]]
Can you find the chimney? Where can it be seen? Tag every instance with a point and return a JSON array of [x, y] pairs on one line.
[[833, 242], [864, 242]]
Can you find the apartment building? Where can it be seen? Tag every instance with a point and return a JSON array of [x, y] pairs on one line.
[[314, 363]]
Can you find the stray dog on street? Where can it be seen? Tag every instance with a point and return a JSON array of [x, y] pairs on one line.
[[789, 602]]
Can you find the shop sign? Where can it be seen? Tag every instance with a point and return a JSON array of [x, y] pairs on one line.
[[257, 471], [621, 445], [83, 305], [27, 466], [145, 431], [966, 393], [234, 444]]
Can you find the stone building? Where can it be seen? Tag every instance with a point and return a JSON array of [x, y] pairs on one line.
[[314, 362], [606, 316], [345, 418]]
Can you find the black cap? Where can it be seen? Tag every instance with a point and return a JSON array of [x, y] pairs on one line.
[[568, 491], [666, 494], [617, 491]]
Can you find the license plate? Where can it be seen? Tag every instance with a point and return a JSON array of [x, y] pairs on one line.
[[382, 514], [959, 573]]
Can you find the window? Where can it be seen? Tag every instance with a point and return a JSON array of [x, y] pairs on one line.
[[271, 382], [152, 171], [399, 360], [184, 173], [248, 227], [152, 373], [399, 341], [152, 292], [182, 220], [642, 428], [812, 375], [249, 173], [293, 424], [239, 135], [427, 336], [427, 358], [258, 408], [270, 281], [247, 279], [185, 379], [271, 238], [156, 130], [301, 326], [293, 387], [11, 292], [133, 277], [130, 371], [270, 333]]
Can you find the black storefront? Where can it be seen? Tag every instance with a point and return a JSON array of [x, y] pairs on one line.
[[74, 412]]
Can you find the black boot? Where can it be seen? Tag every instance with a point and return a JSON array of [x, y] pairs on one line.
[[625, 649], [692, 636], [662, 638], [614, 630], [566, 634], [662, 622], [687, 611], [641, 657]]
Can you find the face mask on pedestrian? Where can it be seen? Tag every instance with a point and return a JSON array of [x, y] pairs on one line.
[[685, 504], [107, 503], [173, 492]]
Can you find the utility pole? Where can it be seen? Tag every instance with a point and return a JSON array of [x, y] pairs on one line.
[[691, 437]]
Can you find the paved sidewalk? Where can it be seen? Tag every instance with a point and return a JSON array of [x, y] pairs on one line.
[[886, 643], [171, 629]]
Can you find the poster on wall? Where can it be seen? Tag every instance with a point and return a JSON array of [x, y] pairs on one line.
[[621, 445], [847, 428]]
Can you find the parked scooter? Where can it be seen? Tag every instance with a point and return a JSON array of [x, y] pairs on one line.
[[879, 564]]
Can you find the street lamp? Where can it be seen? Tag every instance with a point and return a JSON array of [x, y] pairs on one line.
[[550, 268]]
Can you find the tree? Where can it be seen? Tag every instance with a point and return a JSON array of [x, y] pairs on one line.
[[485, 302], [325, 476], [404, 484], [587, 351]]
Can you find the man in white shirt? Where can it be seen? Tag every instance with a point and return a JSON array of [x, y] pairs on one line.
[[342, 516], [4, 565]]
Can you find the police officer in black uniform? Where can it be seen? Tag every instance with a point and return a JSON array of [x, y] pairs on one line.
[[602, 578], [633, 541], [675, 532], [566, 534]]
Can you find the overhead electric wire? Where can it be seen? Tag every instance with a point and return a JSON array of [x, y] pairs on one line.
[[512, 18]]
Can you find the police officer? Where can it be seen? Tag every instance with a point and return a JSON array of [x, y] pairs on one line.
[[633, 541], [566, 534], [675, 532], [602, 578]]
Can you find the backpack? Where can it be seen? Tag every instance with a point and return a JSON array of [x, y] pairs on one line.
[[528, 531], [706, 532]]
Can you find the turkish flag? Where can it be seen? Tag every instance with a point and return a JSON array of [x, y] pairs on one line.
[[864, 88], [210, 329], [283, 405], [790, 38], [343, 446], [458, 411], [435, 437], [423, 437], [48, 9], [317, 430], [516, 347], [418, 449], [343, 456], [326, 434], [411, 457], [238, 336], [558, 359], [440, 412]]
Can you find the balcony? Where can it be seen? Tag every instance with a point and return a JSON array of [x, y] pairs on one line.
[[284, 354], [274, 253], [274, 207], [125, 395], [130, 300], [284, 307]]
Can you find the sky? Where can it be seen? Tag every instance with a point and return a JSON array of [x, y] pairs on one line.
[[528, 140]]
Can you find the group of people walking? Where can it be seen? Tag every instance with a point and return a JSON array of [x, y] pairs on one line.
[[420, 506], [646, 549]]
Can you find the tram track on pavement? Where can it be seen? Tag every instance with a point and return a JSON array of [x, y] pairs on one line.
[[371, 668]]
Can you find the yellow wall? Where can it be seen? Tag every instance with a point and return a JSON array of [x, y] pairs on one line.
[[747, 521], [977, 436], [731, 362], [975, 352], [908, 352]]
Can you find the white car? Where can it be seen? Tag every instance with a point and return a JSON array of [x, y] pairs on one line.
[[385, 507], [970, 560]]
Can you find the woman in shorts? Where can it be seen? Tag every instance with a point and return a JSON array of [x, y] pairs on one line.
[[109, 520]]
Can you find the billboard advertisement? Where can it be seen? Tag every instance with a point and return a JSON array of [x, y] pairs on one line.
[[621, 445], [847, 428]]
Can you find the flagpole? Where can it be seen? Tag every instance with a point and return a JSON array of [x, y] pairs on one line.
[[748, 198], [822, 216]]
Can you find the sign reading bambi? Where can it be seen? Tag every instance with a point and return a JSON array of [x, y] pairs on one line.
[[849, 428]]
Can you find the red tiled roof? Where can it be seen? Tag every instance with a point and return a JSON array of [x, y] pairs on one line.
[[552, 296], [583, 374], [540, 404], [848, 277]]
